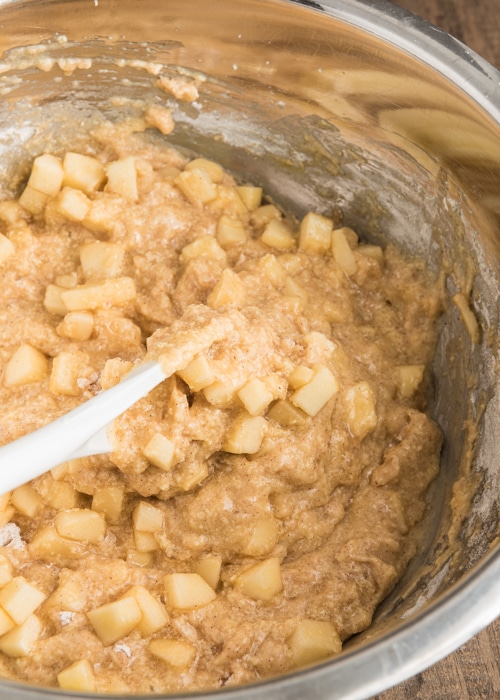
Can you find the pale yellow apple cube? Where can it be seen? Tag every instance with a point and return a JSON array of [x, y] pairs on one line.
[[160, 451], [196, 186], [83, 172], [11, 212], [299, 376], [108, 500], [261, 581], [68, 369], [187, 591], [154, 614], [33, 200], [251, 196], [6, 622], [147, 518], [68, 596], [122, 178], [408, 379], [73, 204], [204, 246], [176, 653], [142, 559], [113, 371], [230, 232], [113, 621], [277, 234], [361, 410], [61, 496], [372, 251], [26, 500], [198, 374], [78, 677], [311, 397], [105, 293], [271, 268], [19, 599], [191, 475], [7, 248], [46, 174], [102, 259], [220, 393], [255, 396], [213, 170], [77, 325], [145, 542], [286, 414], [6, 570], [27, 365], [292, 288], [48, 545], [264, 537], [261, 216], [245, 435], [342, 251], [209, 568], [53, 300], [21, 640], [81, 524], [315, 235], [313, 640], [229, 291]]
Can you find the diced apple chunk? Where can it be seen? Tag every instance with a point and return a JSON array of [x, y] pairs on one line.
[[78, 676], [145, 542], [108, 500], [261, 581], [83, 172], [48, 545], [26, 500], [53, 301], [255, 396], [73, 204], [245, 435], [361, 410], [408, 379], [105, 293], [176, 653], [311, 397], [263, 539], [115, 620], [61, 496], [230, 232], [102, 259], [113, 371], [187, 591], [81, 524], [342, 253], [299, 376], [204, 246], [196, 186], [21, 640], [46, 174], [286, 414], [77, 325], [122, 178], [209, 568], [313, 640], [68, 596], [220, 393], [147, 518], [33, 200], [190, 475], [19, 599], [229, 291], [198, 374], [315, 235], [6, 570], [278, 235], [213, 170], [6, 622], [160, 451], [154, 615], [372, 251], [293, 289], [143, 559], [250, 195], [264, 214], [27, 365], [7, 248], [271, 268], [69, 370]]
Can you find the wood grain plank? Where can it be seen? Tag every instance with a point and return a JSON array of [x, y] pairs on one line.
[[472, 672]]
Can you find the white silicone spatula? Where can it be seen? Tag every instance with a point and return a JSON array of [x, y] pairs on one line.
[[79, 433]]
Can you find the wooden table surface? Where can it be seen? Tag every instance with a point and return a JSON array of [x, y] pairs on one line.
[[472, 672]]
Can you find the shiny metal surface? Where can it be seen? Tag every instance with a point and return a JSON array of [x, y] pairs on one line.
[[347, 106]]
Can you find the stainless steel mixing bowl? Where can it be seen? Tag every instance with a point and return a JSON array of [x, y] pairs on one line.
[[340, 105]]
